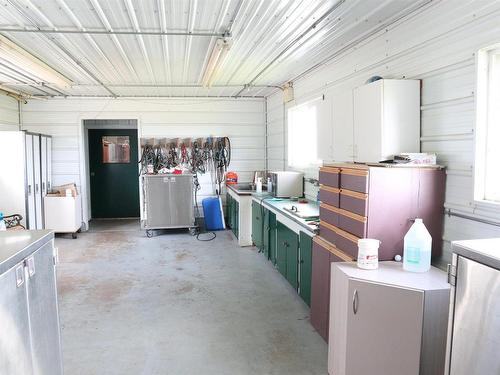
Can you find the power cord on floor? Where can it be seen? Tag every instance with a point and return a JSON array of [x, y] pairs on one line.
[[206, 239]]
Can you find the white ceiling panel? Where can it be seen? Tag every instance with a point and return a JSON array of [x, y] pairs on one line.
[[163, 47]]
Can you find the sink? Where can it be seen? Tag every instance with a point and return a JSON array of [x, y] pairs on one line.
[[244, 187], [303, 211]]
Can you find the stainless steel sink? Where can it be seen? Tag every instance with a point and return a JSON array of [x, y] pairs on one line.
[[244, 187], [302, 211]]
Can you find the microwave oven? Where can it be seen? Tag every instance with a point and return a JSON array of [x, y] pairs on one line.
[[286, 184]]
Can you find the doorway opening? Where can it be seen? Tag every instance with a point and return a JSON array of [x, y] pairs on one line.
[[113, 166]]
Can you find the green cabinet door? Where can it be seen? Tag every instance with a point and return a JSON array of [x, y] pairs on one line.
[[305, 266], [236, 218], [256, 225], [229, 209], [272, 237], [287, 253], [265, 232]]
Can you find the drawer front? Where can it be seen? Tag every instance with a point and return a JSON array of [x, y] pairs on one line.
[[348, 245], [329, 195], [354, 179], [327, 233], [329, 176], [354, 202], [329, 214], [336, 254], [353, 226]]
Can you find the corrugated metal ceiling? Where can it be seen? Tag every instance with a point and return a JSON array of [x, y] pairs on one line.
[[128, 47]]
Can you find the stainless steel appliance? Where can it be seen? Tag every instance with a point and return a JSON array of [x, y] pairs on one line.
[[287, 184], [474, 321], [168, 201]]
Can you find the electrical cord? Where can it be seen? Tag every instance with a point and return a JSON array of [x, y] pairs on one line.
[[206, 239]]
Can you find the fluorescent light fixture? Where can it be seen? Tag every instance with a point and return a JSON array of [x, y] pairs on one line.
[[28, 65], [218, 55]]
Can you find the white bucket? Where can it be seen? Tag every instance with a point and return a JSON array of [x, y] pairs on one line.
[[368, 253]]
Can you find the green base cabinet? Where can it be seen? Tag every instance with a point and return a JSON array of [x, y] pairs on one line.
[[287, 254], [232, 212], [305, 261]]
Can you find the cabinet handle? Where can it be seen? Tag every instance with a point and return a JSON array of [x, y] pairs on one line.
[[30, 263], [19, 275], [43, 186], [355, 302], [29, 189], [36, 188]]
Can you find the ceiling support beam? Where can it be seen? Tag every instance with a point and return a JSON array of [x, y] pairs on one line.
[[108, 32]]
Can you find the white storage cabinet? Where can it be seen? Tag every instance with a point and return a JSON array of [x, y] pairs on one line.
[[63, 214], [387, 321], [373, 122], [25, 175]]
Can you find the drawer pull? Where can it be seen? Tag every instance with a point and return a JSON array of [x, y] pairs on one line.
[[355, 302]]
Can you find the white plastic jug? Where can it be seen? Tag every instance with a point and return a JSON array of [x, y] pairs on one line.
[[368, 253], [417, 248]]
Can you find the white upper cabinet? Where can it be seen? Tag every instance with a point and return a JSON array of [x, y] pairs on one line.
[[386, 119], [343, 127], [376, 121]]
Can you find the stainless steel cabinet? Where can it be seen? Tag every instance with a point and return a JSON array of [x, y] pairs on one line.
[[29, 339], [473, 334], [387, 321], [168, 201], [15, 347], [43, 314]]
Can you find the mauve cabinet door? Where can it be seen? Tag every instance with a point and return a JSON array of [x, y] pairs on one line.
[[384, 329], [320, 289]]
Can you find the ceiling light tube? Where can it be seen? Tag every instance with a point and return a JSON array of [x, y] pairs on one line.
[[23, 61], [218, 55]]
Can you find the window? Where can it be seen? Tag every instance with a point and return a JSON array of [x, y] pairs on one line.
[[487, 161], [115, 149], [302, 134]]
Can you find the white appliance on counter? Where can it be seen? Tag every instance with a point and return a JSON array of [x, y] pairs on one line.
[[287, 184]]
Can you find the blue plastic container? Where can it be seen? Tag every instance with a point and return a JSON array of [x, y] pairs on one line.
[[214, 214]]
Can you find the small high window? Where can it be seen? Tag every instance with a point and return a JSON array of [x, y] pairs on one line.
[[115, 149]]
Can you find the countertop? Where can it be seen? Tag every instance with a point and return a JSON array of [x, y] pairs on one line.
[[15, 245], [486, 251], [279, 204]]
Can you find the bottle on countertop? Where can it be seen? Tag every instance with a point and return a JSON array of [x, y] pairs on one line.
[[259, 185], [417, 248], [269, 185], [2, 222]]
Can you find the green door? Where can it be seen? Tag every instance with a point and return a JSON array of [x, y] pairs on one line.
[[256, 225], [265, 232], [287, 254], [272, 237], [281, 233], [114, 173], [229, 209], [305, 261], [292, 259], [236, 220]]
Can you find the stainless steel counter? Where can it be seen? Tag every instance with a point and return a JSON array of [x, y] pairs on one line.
[[485, 251], [16, 245]]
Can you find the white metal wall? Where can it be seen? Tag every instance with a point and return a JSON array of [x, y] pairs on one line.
[[436, 45], [9, 113], [242, 120]]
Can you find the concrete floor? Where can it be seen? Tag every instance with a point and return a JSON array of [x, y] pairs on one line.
[[174, 305]]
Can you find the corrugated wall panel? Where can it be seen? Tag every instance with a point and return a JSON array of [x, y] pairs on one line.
[[243, 120], [9, 113], [437, 45]]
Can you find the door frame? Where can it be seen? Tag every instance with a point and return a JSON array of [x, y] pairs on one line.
[[85, 125]]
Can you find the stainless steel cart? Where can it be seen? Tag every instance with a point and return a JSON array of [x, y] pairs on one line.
[[167, 202]]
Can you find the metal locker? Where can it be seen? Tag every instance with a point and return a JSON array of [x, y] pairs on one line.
[[37, 181]]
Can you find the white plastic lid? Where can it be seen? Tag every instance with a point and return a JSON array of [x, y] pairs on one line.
[[368, 243], [418, 220]]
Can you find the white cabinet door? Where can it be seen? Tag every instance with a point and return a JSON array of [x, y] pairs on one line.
[[49, 163], [325, 130], [342, 119], [30, 182], [368, 121], [37, 181], [384, 329]]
